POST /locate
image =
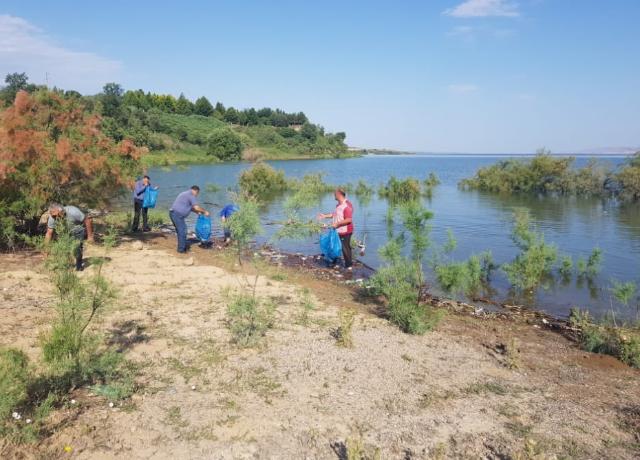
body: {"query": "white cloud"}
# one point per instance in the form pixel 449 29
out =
pixel 462 88
pixel 26 48
pixel 484 8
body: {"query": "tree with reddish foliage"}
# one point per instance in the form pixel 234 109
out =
pixel 52 149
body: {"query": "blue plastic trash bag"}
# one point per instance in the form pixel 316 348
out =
pixel 330 245
pixel 203 228
pixel 150 197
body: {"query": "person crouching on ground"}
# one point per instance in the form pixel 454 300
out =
pixel 79 227
pixel 138 199
pixel 343 223
pixel 185 203
pixel 225 213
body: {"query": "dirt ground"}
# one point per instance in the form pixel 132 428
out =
pixel 474 388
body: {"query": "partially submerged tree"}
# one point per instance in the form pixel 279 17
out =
pixel 401 278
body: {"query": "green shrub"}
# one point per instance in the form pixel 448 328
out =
pixel 623 291
pixel 344 332
pixel 541 174
pixel 244 224
pixel 14 380
pixel 622 343
pixel 629 179
pixel 536 258
pixel 224 144
pixel 566 267
pixel 249 318
pixel 69 347
pixel 401 279
pixel 262 181
pixel 363 192
pixel 400 190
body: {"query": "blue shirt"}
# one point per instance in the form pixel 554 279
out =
pixel 228 210
pixel 138 190
pixel 183 204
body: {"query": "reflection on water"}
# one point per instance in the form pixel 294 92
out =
pixel 479 221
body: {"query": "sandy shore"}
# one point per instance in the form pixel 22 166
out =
pixel 452 393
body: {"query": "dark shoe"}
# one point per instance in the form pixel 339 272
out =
pixel 135 230
pixel 146 229
pixel 80 268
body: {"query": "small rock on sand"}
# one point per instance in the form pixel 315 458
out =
pixel 137 245
pixel 189 261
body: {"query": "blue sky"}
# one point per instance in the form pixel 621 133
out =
pixel 440 76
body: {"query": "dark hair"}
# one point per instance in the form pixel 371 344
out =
pixel 146 177
pixel 195 187
pixel 341 192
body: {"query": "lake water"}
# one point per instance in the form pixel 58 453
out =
pixel 480 221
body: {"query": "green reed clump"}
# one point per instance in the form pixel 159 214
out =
pixel 14 380
pixel 70 348
pixel 624 292
pixel 536 258
pixel 607 338
pixel 401 279
pixel 430 183
pixel 262 181
pixel 399 191
pixel 541 174
pixel 249 318
pixel 628 179
pixel 363 192
pixel 566 267
pixel 244 224
pixel 465 277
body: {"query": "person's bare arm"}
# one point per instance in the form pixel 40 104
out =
pixel 48 236
pixel 200 210
pixel 88 225
pixel 325 216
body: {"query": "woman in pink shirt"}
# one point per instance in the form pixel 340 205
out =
pixel 343 223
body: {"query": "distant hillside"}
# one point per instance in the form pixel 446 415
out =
pixel 178 130
pixel 609 151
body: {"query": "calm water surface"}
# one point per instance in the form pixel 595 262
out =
pixel 480 221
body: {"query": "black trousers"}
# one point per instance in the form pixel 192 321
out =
pixel 78 255
pixel 346 250
pixel 137 208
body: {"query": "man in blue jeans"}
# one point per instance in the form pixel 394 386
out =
pixel 181 208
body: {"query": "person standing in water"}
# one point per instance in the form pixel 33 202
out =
pixel 342 221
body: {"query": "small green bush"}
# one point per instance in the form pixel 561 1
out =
pixel 401 279
pixel 536 258
pixel 400 190
pixel 14 380
pixel 566 267
pixel 607 338
pixel 542 174
pixel 623 291
pixel 244 224
pixel 224 144
pixel 344 332
pixel 249 318
pixel 262 181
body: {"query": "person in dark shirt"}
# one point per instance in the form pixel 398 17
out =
pixel 185 203
pixel 138 199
